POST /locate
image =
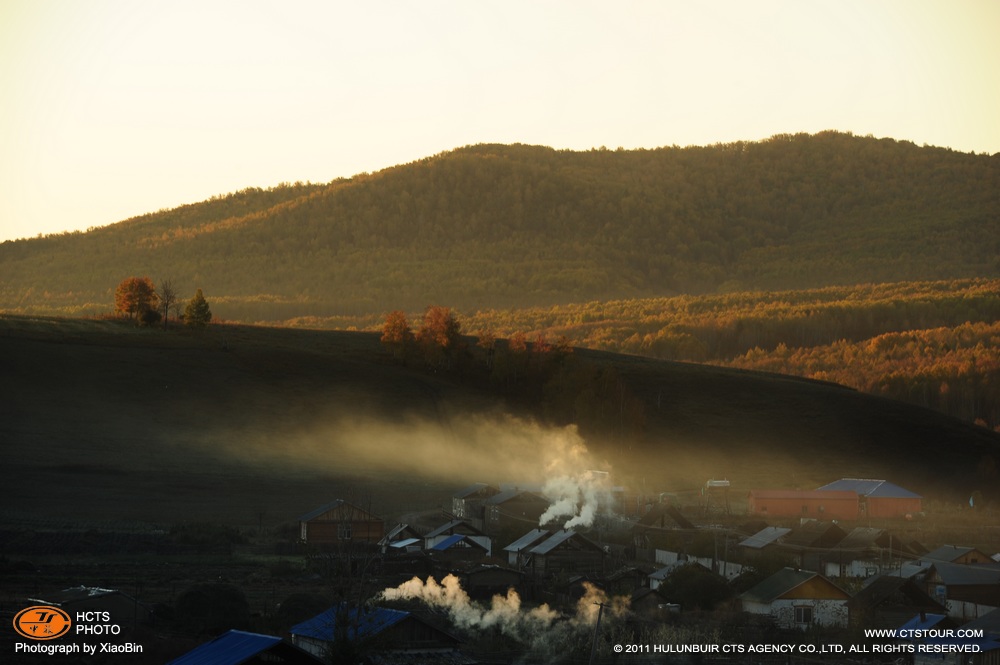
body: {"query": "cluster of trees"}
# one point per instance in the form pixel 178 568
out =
pixel 438 340
pixel 139 300
pixel 516 226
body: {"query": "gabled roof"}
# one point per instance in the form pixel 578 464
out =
pixel 949 553
pixel 529 539
pixel 871 488
pixel 765 537
pixel 783 582
pixel 884 587
pixel 671 568
pixel 813 533
pixel 560 538
pixel 235 647
pixel 956 574
pixel 507 495
pixel 334 505
pixel 861 538
pixel 452 526
pixel 473 489
pixel 459 540
pixel 803 494
pixel 361 625
pixel 401 531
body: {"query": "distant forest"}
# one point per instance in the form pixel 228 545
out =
pixel 501 226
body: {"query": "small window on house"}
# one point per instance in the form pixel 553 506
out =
pixel 344 531
pixel 803 615
pixel 822 509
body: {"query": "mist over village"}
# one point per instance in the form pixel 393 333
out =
pixel 460 334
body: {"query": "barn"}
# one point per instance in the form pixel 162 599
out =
pixel 879 498
pixel 818 504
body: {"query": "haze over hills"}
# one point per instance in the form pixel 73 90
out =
pixel 492 226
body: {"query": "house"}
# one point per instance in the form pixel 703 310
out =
pixel 237 647
pixel 512 508
pixel 518 552
pixel 967 591
pixel 467 503
pixel 797 599
pixel 864 552
pixel 625 580
pixel 459 547
pixel 122 608
pixel 458 527
pixel 878 498
pixel 818 504
pixel 650 604
pixel 957 554
pixel 485 581
pixel 887 601
pixel 814 534
pixel 338 523
pixel 388 635
pixel 567 551
pixel 658 577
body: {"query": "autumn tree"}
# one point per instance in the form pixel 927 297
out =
pixel 396 334
pixel 439 335
pixel 135 296
pixel 197 313
pixel 487 341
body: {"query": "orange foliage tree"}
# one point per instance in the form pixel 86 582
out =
pixel 135 296
pixel 396 333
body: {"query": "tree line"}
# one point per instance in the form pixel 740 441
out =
pixel 137 299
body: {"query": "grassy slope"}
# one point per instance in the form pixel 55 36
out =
pixel 104 422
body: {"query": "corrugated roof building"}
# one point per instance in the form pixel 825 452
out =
pixel 879 498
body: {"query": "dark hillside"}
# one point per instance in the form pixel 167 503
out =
pixel 511 226
pixel 106 422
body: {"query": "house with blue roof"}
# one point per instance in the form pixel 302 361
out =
pixel 381 634
pixel 238 647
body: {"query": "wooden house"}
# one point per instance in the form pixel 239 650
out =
pixel 957 554
pixel 485 581
pixel 338 523
pixel 888 601
pixel 401 538
pixel 798 599
pixel 467 503
pixel 458 547
pixel 512 509
pixel 519 551
pixel 879 498
pixel 458 527
pixel 567 551
pixel 967 591
pixel 816 504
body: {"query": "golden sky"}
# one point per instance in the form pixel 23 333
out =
pixel 115 108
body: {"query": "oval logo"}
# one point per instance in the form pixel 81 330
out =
pixel 42 622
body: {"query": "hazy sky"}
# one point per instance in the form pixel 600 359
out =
pixel 114 108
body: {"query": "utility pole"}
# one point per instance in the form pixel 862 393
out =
pixel 597 628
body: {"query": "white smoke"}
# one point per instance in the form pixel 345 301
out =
pixel 541 629
pixel 578 497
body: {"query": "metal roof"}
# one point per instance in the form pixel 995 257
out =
pixel 360 625
pixel 451 526
pixel 527 540
pixel 451 541
pixel 821 493
pixel 881 489
pixel 764 537
pixel 472 489
pixel 781 583
pixel 559 538
pixel 230 648
pixel 507 495
pixel 947 553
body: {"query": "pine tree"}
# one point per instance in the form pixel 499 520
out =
pixel 197 313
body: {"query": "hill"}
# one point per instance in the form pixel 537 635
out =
pixel 103 421
pixel 493 226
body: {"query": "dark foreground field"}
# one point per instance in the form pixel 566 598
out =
pixel 101 422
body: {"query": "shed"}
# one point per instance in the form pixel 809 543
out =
pixel 339 522
pixel 879 498
pixel 798 599
pixel 238 647
pixel 818 504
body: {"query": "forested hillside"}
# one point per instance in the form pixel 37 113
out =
pixel 494 226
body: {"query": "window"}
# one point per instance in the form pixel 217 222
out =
pixel 803 615
pixel 344 531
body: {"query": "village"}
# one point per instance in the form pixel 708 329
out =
pixel 483 580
